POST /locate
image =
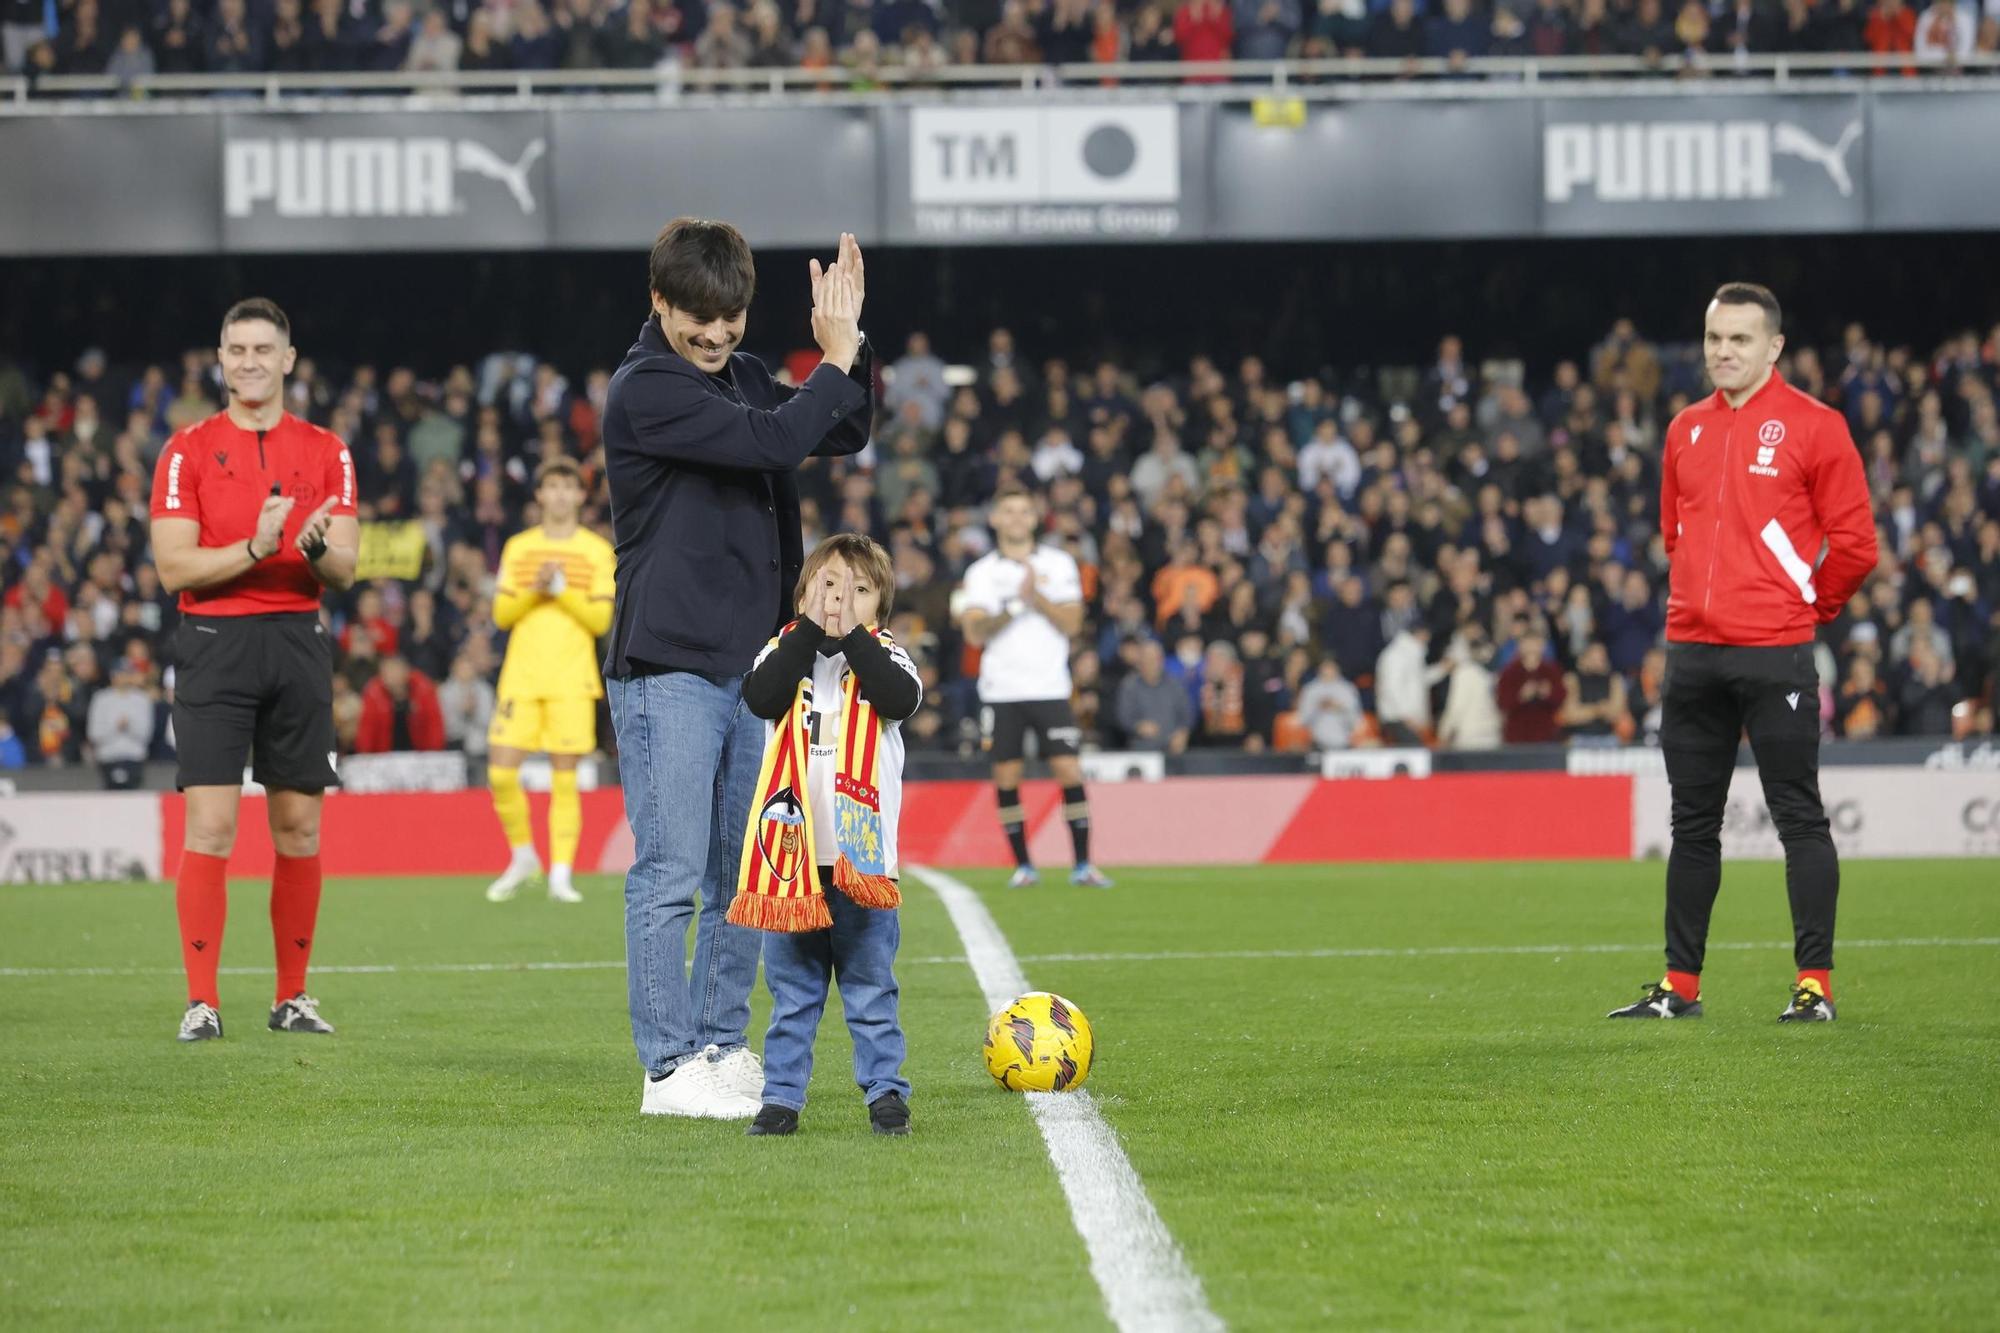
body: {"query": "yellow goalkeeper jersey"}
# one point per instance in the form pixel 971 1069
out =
pixel 552 648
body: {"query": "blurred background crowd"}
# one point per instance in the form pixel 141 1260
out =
pixel 855 41
pixel 1450 554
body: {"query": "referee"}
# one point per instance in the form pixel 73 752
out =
pixel 253 513
pixel 1765 511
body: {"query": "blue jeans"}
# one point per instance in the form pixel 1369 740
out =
pixel 860 953
pixel 688 755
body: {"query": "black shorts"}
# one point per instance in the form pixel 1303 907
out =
pixel 257 686
pixel 1003 727
pixel 1715 693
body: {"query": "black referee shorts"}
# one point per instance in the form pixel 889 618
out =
pixel 254 688
pixel 1004 728
pixel 1715 693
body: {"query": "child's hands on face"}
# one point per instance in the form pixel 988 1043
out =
pixel 836 606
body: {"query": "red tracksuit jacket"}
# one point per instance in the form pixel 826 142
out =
pixel 1767 519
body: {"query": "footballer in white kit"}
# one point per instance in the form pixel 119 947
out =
pixel 1022 603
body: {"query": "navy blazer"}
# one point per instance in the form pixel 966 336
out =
pixel 705 504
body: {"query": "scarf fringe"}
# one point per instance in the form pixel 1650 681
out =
pixel 877 891
pixel 762 912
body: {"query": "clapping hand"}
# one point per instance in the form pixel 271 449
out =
pixel 837 297
pixel 311 540
pixel 271 525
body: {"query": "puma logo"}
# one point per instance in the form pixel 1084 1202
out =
pixel 480 160
pixel 1789 139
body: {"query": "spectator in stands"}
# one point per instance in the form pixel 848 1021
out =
pixel 534 44
pixel 1470 720
pixel 1395 32
pixel 1594 709
pixel 1945 33
pixel 1891 27
pixel 120 727
pixel 399 712
pixel 1862 709
pixel 1266 29
pixel 1153 37
pixel 465 703
pixel 1928 694
pixel 131 59
pixel 1330 707
pixel 22 25
pixel 1403 680
pixel 1457 33
pixel 435 47
pixel 1919 630
pixel 1531 692
pixel 1011 41
pixel 722 44
pixel 1222 711
pixel 1204 30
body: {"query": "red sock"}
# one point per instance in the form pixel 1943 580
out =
pixel 201 897
pixel 1823 975
pixel 1687 985
pixel 294 911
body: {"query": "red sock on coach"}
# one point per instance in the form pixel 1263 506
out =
pixel 201 899
pixel 1823 975
pixel 1687 985
pixel 295 883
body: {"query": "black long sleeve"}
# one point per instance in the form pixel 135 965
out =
pixel 893 691
pixel 774 682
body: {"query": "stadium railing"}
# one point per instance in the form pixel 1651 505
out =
pixel 1225 80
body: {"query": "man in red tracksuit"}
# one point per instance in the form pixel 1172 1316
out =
pixel 1766 515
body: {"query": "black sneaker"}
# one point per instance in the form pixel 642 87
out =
pixel 1808 1005
pixel 774 1119
pixel 889 1114
pixel 1660 1002
pixel 200 1022
pixel 299 1014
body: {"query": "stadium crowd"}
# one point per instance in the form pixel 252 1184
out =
pixel 854 41
pixel 1444 554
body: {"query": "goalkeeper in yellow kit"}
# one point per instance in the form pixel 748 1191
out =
pixel 555 598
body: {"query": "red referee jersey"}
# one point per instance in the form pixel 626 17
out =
pixel 219 474
pixel 1767 518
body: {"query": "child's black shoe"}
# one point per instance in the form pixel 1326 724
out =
pixel 772 1119
pixel 889 1114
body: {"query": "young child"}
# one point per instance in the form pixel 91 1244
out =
pixel 819 858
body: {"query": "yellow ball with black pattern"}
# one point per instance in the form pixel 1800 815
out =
pixel 1039 1043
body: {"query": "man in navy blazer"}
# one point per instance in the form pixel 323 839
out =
pixel 700 445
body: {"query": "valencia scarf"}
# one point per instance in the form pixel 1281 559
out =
pixel 777 884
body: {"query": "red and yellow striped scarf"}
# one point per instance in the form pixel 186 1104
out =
pixel 777 883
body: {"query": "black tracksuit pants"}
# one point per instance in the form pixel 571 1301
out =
pixel 1713 694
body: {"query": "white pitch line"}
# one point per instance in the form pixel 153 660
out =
pixel 959 959
pixel 1146 1281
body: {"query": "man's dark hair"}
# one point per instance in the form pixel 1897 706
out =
pixel 1750 293
pixel 703 268
pixel 258 307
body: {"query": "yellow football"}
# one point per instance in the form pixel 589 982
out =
pixel 1039 1043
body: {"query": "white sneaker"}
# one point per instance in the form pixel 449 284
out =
pixel 524 866
pixel 560 889
pixel 696 1089
pixel 743 1072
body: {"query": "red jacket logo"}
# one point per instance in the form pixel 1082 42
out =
pixel 1771 433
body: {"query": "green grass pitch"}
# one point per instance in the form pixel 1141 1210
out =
pixel 1427 1125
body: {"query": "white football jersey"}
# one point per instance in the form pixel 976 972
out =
pixel 1029 658
pixel 822 766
